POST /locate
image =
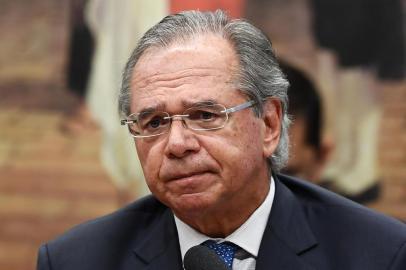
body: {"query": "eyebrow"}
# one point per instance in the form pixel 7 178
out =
pixel 188 104
pixel 158 107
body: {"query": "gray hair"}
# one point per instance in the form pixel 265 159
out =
pixel 259 75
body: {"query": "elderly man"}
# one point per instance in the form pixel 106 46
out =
pixel 205 101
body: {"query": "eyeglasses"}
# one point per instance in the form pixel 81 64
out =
pixel 200 117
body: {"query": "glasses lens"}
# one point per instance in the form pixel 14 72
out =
pixel 149 124
pixel 153 123
pixel 206 117
pixel 132 124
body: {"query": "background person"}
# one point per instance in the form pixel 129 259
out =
pixel 310 147
pixel 81 47
pixel 310 150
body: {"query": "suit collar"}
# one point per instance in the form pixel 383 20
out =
pixel 158 247
pixel 288 235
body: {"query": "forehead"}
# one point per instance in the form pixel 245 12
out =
pixel 200 69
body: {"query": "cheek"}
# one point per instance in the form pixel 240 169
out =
pixel 250 147
pixel 150 158
pixel 237 150
pixel 249 138
pixel 142 152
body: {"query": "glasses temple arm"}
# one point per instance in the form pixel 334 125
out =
pixel 240 107
pixel 124 122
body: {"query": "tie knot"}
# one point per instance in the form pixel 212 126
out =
pixel 225 250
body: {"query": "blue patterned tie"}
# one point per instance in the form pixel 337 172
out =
pixel 225 251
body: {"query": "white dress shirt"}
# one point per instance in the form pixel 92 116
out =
pixel 248 236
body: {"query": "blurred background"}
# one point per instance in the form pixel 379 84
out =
pixel 65 159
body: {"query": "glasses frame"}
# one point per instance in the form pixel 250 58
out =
pixel 182 117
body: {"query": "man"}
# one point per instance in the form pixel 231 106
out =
pixel 206 102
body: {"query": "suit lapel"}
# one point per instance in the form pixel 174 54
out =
pixel 287 238
pixel 160 247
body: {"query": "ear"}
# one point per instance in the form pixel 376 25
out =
pixel 272 120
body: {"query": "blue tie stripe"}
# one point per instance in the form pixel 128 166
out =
pixel 225 251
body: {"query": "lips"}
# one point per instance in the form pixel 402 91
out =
pixel 187 168
pixel 190 183
pixel 178 176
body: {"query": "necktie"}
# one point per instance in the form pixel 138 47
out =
pixel 224 250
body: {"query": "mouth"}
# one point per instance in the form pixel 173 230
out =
pixel 187 176
pixel 190 182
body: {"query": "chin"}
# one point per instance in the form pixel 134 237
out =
pixel 192 204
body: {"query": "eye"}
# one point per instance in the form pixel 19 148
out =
pixel 155 122
pixel 150 122
pixel 202 115
pixel 206 115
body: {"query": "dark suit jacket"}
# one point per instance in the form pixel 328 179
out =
pixel 309 228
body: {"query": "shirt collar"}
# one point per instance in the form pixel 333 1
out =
pixel 248 236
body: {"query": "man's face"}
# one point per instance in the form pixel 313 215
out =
pixel 197 172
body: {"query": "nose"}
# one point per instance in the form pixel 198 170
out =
pixel 181 141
